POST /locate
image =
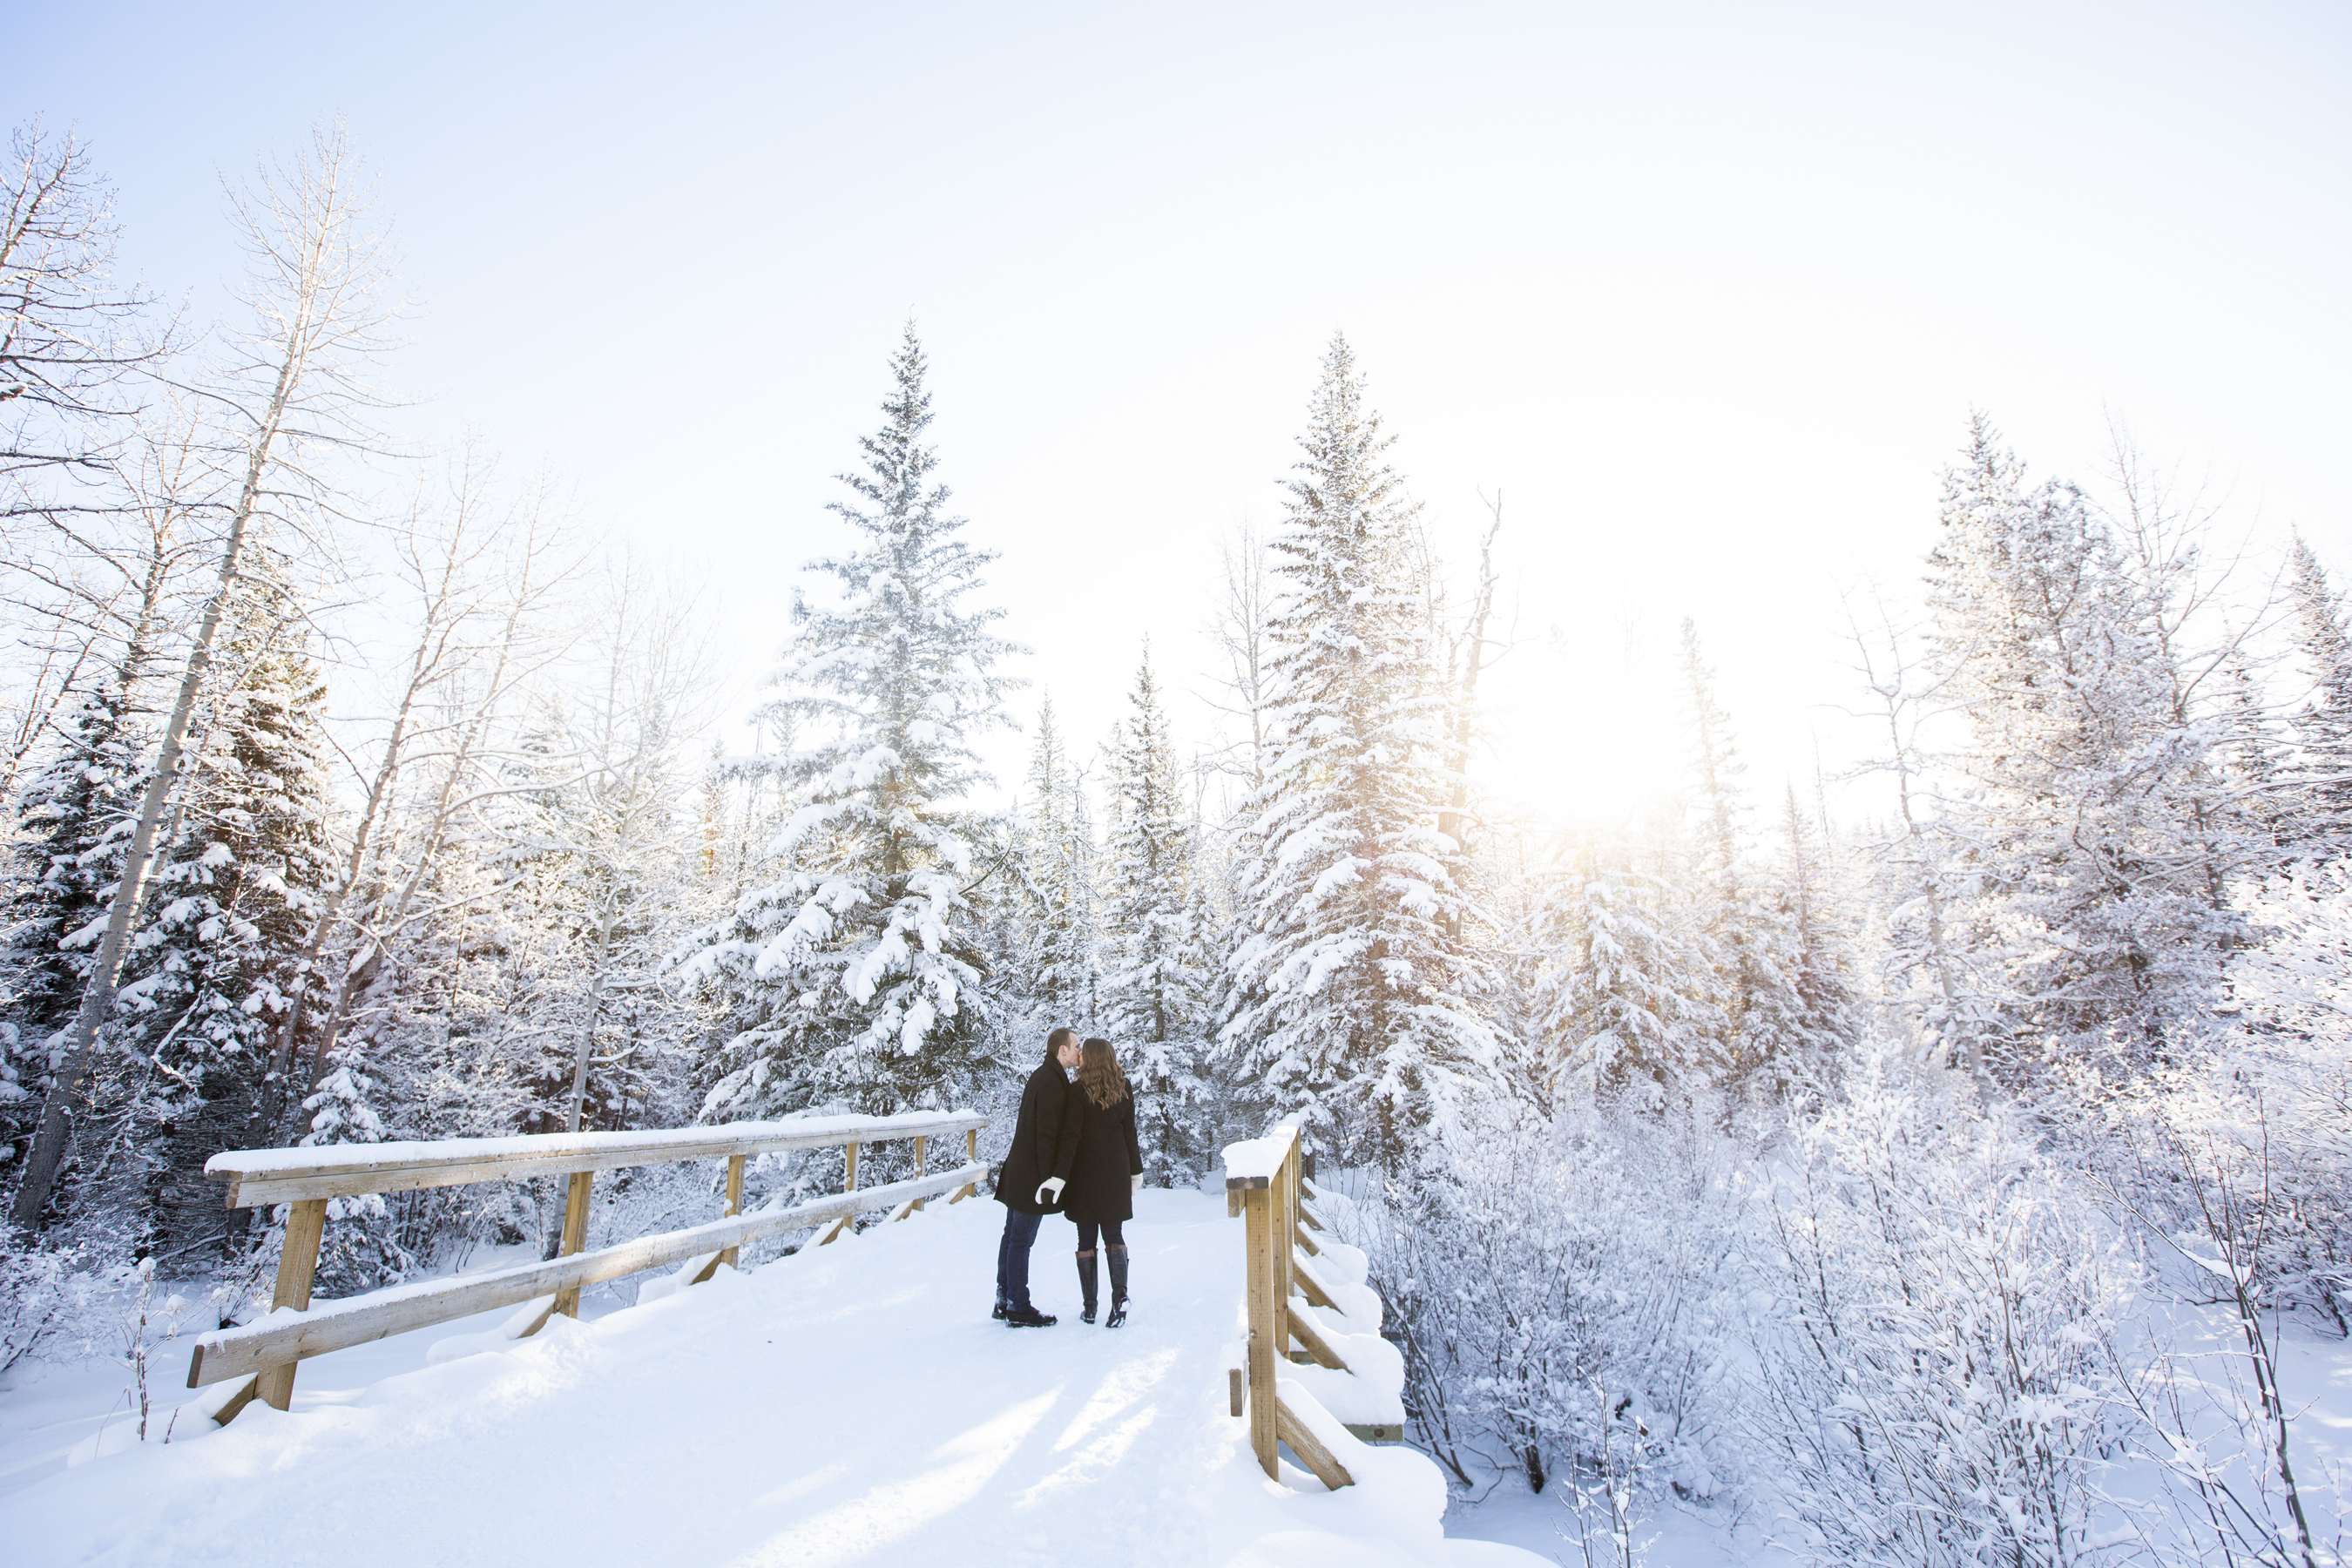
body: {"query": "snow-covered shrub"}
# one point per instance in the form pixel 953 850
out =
pixel 1546 1261
pixel 47 1296
pixel 1938 1382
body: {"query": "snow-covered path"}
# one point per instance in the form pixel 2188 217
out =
pixel 853 1405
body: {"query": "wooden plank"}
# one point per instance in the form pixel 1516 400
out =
pixel 1233 1203
pixel 734 1202
pixel 1285 1224
pixel 237 1395
pixel 1264 1327
pixel 1377 1431
pixel 1306 1217
pixel 902 1211
pixel 970 1189
pixel 298 1264
pixel 1302 1328
pixel 337 1325
pixel 1298 1234
pixel 1312 1288
pixel 851 1184
pixel 575 1235
pixel 1310 1449
pixel 919 1143
pixel 457 1161
pixel 1237 1390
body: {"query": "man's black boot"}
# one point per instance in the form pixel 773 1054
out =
pixel 1029 1318
pixel 1086 1285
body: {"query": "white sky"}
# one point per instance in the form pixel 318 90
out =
pixel 1707 292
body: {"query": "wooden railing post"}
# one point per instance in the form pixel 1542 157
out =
pixel 921 1143
pixel 734 1202
pixel 575 1236
pixel 1265 1327
pixel 850 1185
pixel 971 1157
pixel 1286 1220
pixel 298 1264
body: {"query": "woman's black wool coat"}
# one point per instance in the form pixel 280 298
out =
pixel 1047 1125
pixel 1101 1162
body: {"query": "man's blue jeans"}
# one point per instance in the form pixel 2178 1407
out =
pixel 1012 1257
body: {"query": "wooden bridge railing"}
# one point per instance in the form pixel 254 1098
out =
pixel 262 1355
pixel 1266 1186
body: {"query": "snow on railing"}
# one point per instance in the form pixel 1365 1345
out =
pixel 262 1355
pixel 1344 1378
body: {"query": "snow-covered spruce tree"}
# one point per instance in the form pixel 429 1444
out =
pixel 851 977
pixel 2323 725
pixel 73 821
pixel 1744 946
pixel 1347 998
pixel 1156 984
pixel 1051 854
pixel 232 897
pixel 1622 1001
pixel 2097 911
pixel 1814 926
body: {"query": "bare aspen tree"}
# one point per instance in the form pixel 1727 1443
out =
pixel 1900 708
pixel 290 394
pixel 468 716
pixel 93 582
pixel 1237 626
pixel 654 663
pixel 475 576
pixel 1468 658
pixel 69 335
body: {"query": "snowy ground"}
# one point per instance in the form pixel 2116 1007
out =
pixel 853 1405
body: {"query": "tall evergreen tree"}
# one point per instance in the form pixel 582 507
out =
pixel 1743 951
pixel 853 976
pixel 2323 726
pixel 74 818
pixel 231 898
pixel 2095 900
pixel 1621 998
pixel 1156 984
pixel 1055 942
pixel 1813 925
pixel 1348 995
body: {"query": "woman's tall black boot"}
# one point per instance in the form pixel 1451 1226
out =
pixel 1117 1290
pixel 1086 1281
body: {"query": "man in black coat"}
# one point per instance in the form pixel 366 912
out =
pixel 1025 1183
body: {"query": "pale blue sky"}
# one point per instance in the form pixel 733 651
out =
pixel 1706 291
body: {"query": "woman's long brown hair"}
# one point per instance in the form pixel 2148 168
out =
pixel 1098 1073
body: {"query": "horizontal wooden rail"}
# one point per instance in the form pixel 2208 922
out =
pixel 282 1339
pixel 353 1170
pixel 307 1179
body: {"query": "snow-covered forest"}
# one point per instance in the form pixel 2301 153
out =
pixel 1923 1165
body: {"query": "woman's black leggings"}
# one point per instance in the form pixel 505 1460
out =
pixel 1110 1235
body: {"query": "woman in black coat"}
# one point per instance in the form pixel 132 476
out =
pixel 1104 1166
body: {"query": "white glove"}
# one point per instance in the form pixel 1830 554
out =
pixel 1050 1191
pixel 1138 1180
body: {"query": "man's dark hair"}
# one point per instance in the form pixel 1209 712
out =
pixel 1056 1041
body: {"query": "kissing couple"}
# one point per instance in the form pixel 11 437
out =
pixel 1074 1153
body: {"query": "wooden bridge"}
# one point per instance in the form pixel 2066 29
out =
pixel 849 1403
